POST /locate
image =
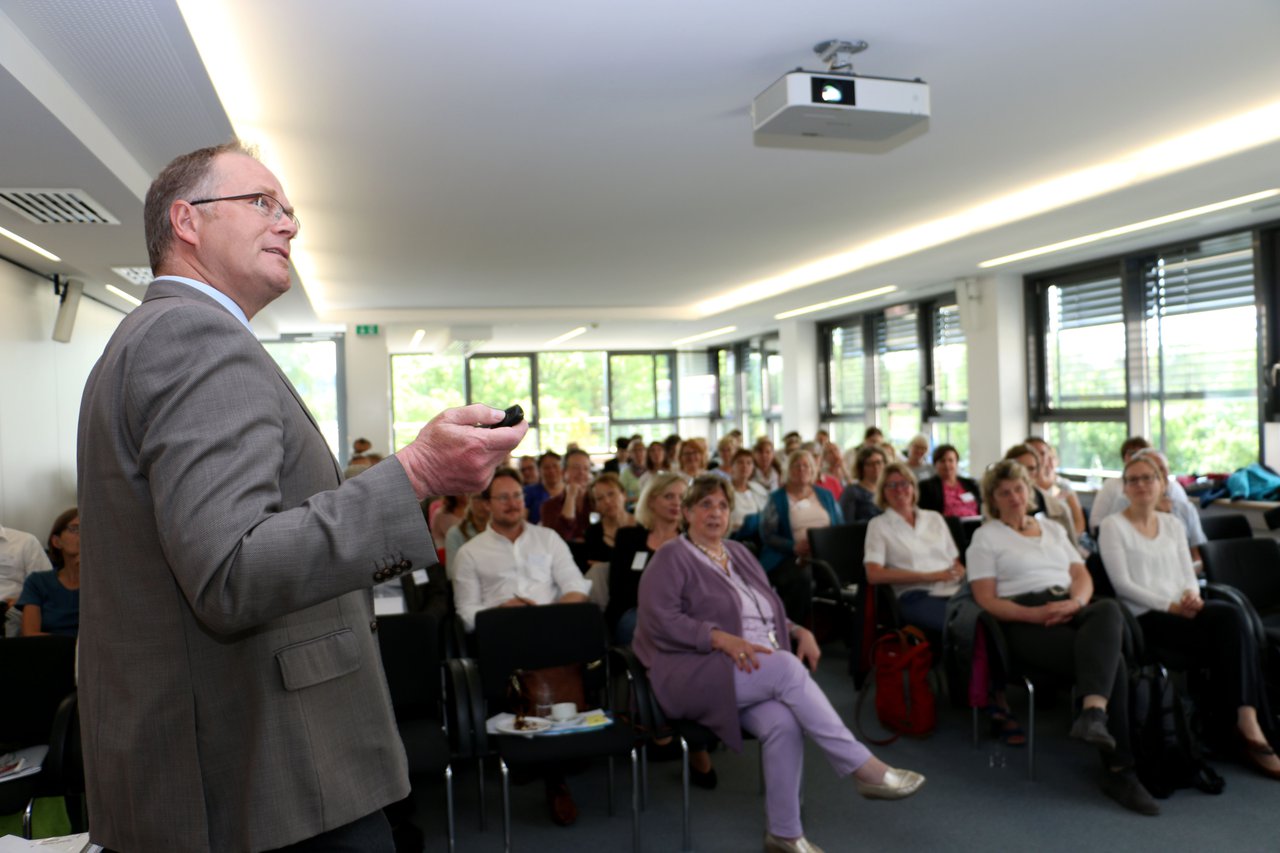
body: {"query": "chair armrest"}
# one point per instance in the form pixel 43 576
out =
pixel 827 582
pixel 475 706
pixel 648 716
pixel 455 699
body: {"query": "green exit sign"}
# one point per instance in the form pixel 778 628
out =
pixel 367 330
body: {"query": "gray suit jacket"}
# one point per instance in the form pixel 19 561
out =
pixel 232 696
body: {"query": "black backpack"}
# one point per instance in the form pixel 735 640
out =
pixel 1165 745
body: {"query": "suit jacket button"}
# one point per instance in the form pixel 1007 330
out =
pixel 405 564
pixel 373 626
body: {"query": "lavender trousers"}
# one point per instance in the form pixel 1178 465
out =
pixel 780 703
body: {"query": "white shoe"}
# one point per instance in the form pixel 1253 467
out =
pixel 897 784
pixel 774 844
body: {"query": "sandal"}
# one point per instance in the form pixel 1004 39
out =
pixel 1005 726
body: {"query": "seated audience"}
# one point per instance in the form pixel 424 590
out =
pixel 1055 485
pixel 726 448
pixel 749 497
pixel 917 450
pixel 359 448
pixel 768 469
pixel 790 443
pixel 528 470
pixel 693 460
pixel 1172 500
pixel 448 515
pixel 512 563
pixel 834 475
pixel 1110 498
pixel 567 512
pixel 912 549
pixel 718 645
pixel 609 502
pixel 614 465
pixel 1146 558
pixel 1028 575
pixel 549 485
pixel 20 555
pixel 784 531
pixel 658 522
pixel 474 520
pixel 1053 509
pixel 632 474
pixel 858 500
pixel 50 601
pixel 947 492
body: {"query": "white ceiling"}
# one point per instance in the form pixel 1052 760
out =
pixel 536 167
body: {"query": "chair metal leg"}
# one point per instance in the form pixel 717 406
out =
pixel 635 801
pixel 975 726
pixel 610 786
pixel 506 805
pixel 1031 728
pixel 26 818
pixel 644 777
pixel 686 844
pixel 448 802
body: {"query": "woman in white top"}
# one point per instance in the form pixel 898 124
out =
pixel 749 497
pixel 1111 498
pixel 1146 557
pixel 1025 573
pixel 912 549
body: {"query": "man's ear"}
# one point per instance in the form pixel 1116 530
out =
pixel 185 223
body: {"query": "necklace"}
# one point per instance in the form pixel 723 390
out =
pixel 721 559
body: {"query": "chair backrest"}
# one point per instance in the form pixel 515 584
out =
pixel 842 547
pixel 1227 525
pixel 38 674
pixel 511 638
pixel 1101 581
pixel 1250 565
pixel 64 764
pixel 412 650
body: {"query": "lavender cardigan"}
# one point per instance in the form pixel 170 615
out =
pixel 680 602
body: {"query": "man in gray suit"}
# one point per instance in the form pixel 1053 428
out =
pixel 232 696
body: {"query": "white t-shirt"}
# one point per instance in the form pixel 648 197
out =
pixel 747 503
pixel 1111 499
pixel 492 569
pixel 20 555
pixel 927 547
pixel 1021 564
pixel 1148 574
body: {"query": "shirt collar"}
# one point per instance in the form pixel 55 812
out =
pixel 215 294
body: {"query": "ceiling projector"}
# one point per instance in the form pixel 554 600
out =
pixel 838 104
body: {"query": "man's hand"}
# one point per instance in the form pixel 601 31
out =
pixel 451 457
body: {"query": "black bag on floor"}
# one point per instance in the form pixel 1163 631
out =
pixel 1165 745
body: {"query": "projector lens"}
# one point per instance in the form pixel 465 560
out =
pixel 833 90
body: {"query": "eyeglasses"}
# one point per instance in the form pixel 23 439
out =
pixel 507 497
pixel 897 486
pixel 71 528
pixel 267 206
pixel 1140 480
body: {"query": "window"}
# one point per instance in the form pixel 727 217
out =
pixel 897 374
pixel 506 380
pixel 571 400
pixel 421 387
pixel 1162 343
pixel 314 366
pixel 750 395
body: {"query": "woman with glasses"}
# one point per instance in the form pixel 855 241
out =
pixel 50 601
pixel 1052 508
pixel 1027 574
pixel 721 651
pixel 858 500
pixel 1146 558
pixel 912 549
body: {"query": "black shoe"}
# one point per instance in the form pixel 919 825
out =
pixel 669 751
pixel 1123 787
pixel 707 781
pixel 560 803
pixel 1091 727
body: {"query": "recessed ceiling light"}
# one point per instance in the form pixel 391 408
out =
pixel 567 336
pixel 127 297
pixel 843 300
pixel 723 330
pixel 1191 213
pixel 23 241
pixel 418 335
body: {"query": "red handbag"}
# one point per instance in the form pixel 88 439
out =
pixel 901 662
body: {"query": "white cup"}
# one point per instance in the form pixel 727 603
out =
pixel 562 711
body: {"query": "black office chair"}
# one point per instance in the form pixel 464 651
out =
pixel 1227 525
pixel 514 638
pixel 1252 568
pixel 428 695
pixel 39 675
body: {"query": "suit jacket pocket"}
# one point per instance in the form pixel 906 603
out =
pixel 312 662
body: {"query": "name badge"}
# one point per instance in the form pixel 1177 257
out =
pixel 420 577
pixel 966 497
pixel 640 560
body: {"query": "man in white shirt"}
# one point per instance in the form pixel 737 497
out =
pixel 513 563
pixel 20 555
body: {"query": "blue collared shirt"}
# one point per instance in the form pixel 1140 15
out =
pixel 221 298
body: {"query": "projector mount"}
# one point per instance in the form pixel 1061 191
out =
pixel 838 55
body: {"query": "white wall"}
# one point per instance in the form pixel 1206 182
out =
pixel 40 386
pixel 798 341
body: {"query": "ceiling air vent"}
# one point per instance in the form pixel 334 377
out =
pixel 57 207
